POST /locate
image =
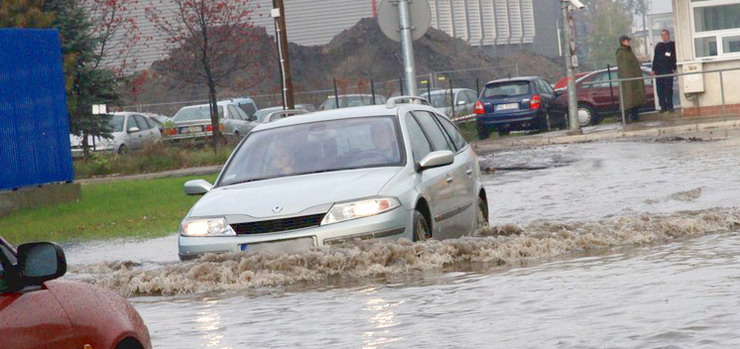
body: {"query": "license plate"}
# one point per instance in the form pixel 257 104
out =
pixel 507 106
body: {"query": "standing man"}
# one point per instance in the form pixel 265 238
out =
pixel 664 62
pixel 633 91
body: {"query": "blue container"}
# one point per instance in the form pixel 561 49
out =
pixel 34 125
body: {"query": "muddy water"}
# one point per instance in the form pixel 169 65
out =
pixel 640 250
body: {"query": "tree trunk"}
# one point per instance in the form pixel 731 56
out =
pixel 214 112
pixel 85 146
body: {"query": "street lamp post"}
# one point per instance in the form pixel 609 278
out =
pixel 570 50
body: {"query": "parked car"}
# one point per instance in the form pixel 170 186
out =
pixel 351 100
pixel 194 122
pixel 563 82
pixel 386 172
pixel 129 131
pixel 262 113
pixel 602 98
pixel 37 311
pixel 246 104
pixel 521 103
pixel 464 100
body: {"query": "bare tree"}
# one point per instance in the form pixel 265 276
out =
pixel 117 33
pixel 209 41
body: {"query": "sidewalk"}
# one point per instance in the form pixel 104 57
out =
pixel 705 128
pixel 194 171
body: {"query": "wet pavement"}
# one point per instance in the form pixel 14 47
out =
pixel 617 245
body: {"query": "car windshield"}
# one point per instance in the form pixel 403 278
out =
pixel 351 101
pixel 200 112
pixel 439 99
pixel 316 147
pixel 262 113
pixel 506 89
pixel 116 123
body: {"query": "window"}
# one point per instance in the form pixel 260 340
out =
pixel 233 114
pixel 140 122
pixel 716 28
pixel 432 131
pixel 506 89
pixel 419 144
pixel 248 108
pixel 452 131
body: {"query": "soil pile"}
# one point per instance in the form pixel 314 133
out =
pixel 353 57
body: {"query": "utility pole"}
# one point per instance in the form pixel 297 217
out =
pixel 281 35
pixel 570 50
pixel 407 48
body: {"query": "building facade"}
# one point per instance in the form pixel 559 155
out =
pixel 707 36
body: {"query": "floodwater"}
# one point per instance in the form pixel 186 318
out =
pixel 599 245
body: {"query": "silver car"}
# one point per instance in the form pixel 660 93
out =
pixel 385 172
pixel 128 130
pixel 194 122
pixel 464 100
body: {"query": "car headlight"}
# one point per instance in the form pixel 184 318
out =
pixel 345 211
pixel 206 227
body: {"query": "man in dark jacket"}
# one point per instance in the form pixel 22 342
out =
pixel 664 62
pixel 633 91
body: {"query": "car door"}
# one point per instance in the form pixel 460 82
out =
pixel 132 137
pixel 32 317
pixel 555 107
pixel 151 133
pixel 604 96
pixel 450 199
pixel 466 172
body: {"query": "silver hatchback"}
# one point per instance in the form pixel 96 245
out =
pixel 384 171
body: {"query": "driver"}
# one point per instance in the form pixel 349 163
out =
pixel 384 140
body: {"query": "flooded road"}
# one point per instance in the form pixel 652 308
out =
pixel 593 245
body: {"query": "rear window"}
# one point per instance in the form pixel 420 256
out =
pixel 506 89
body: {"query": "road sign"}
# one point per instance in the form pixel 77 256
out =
pixel 388 19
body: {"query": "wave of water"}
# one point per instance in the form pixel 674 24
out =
pixel 497 245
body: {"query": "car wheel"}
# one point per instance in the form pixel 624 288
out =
pixel 481 214
pixel 586 115
pixel 483 131
pixel 421 227
pixel 122 150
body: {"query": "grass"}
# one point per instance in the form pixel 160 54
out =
pixel 141 208
pixel 155 157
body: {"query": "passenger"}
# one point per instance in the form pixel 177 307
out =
pixel 385 141
pixel 283 162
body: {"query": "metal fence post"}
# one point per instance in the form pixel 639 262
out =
pixel 372 89
pixel 621 104
pixel 400 84
pixel 452 99
pixel 336 94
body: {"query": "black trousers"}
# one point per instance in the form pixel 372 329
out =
pixel 665 92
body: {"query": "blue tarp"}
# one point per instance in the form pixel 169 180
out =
pixel 34 126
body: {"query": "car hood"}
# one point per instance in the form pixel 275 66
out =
pixel 293 194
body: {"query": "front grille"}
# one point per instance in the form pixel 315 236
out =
pixel 274 225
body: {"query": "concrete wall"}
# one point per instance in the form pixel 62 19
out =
pixel 34 197
pixel 705 103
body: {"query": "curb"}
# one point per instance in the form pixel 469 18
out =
pixel 194 171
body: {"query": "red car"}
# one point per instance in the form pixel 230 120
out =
pixel 36 312
pixel 602 98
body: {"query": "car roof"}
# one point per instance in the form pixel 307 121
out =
pixel 438 91
pixel 516 79
pixel 344 113
pixel 355 95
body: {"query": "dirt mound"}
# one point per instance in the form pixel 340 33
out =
pixel 353 57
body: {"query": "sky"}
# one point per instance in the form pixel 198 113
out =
pixel 661 6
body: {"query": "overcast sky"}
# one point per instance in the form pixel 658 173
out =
pixel 661 6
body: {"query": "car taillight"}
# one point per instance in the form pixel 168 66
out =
pixel 209 128
pixel 170 131
pixel 478 108
pixel 535 102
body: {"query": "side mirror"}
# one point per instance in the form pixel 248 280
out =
pixel 436 159
pixel 41 261
pixel 197 187
pixel 133 129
